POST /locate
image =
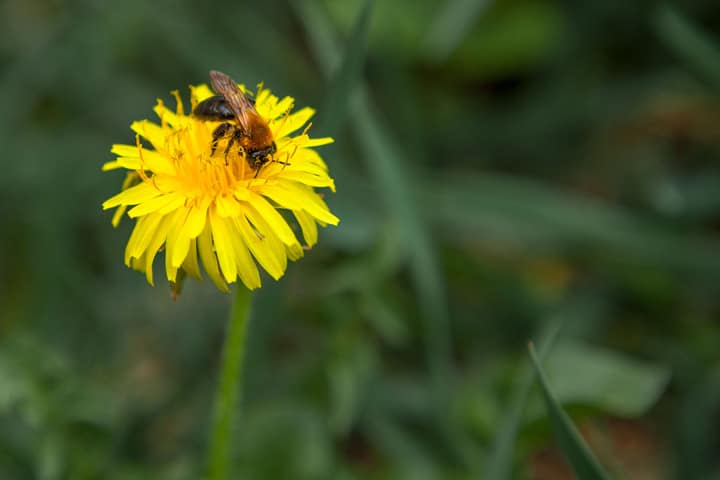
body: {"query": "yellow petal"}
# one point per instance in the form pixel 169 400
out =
pixel 130 163
pixel 316 142
pixel 134 235
pixel 259 207
pixel 152 132
pixel 265 247
pixel 309 161
pixel 170 117
pixel 292 122
pixel 296 197
pixel 134 158
pixel 294 252
pixel 169 183
pixel 247 270
pixel 190 265
pixel 227 206
pixel 146 227
pixel 194 224
pixel 282 107
pixel 200 92
pixel 164 203
pixel 171 243
pixel 132 178
pixel 309 179
pixel 132 196
pixel 223 246
pixel 308 227
pixel 114 165
pixel 118 215
pixel 122 150
pixel 209 260
pixel 265 101
pixel 157 241
pixel 137 263
pixel 156 162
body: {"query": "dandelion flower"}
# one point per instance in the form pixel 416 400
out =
pixel 209 207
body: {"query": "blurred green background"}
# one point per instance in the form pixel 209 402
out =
pixel 504 169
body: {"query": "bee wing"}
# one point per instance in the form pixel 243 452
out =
pixel 238 102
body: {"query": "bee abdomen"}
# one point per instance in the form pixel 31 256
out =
pixel 214 108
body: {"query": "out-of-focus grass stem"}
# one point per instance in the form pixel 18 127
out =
pixel 394 179
pixel 386 165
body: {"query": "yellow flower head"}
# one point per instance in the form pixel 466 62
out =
pixel 207 206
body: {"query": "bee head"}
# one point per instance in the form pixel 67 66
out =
pixel 258 158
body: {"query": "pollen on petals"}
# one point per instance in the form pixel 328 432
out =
pixel 204 207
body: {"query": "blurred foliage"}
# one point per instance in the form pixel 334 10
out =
pixel 500 165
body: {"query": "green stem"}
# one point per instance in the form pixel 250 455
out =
pixel 227 395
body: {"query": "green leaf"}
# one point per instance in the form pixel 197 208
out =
pixel 604 379
pixel 571 443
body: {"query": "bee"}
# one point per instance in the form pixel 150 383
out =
pixel 242 124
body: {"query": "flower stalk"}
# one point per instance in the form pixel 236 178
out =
pixel 228 395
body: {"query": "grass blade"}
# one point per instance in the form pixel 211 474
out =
pixel 385 162
pixel 500 463
pixel 576 451
pixel 394 180
pixel 689 43
pixel 451 25
pixel 348 74
pixel 695 436
pixel 536 216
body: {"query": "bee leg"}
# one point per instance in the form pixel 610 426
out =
pixel 285 162
pixel 230 143
pixel 220 132
pixel 236 137
pixel 258 163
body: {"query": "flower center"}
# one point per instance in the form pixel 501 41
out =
pixel 207 167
